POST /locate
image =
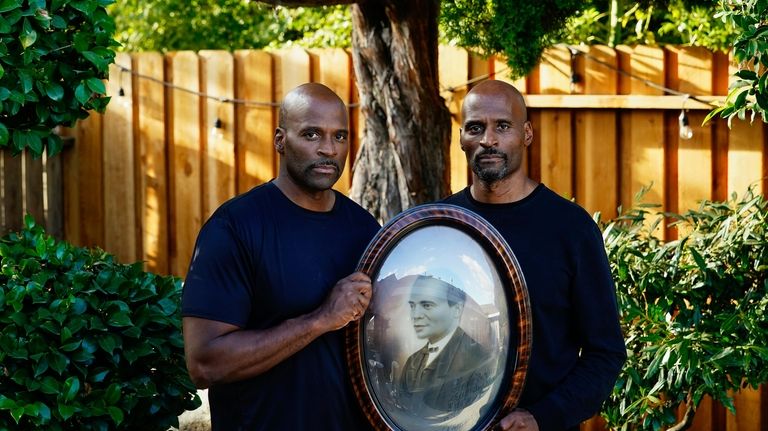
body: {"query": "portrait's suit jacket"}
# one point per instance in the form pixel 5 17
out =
pixel 456 378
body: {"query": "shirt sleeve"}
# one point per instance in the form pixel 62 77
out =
pixel 603 351
pixel 217 286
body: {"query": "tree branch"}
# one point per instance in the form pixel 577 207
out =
pixel 690 411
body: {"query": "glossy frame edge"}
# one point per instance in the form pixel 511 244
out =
pixel 515 290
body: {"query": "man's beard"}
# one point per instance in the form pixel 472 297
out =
pixel 490 174
pixel 306 178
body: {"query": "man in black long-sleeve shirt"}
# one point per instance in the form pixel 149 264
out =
pixel 578 349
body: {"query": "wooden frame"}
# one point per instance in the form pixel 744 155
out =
pixel 476 375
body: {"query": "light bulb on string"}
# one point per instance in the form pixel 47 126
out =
pixel 216 134
pixel 686 131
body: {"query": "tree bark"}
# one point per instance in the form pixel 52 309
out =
pixel 403 159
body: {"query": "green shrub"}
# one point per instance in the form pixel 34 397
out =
pixel 694 310
pixel 85 342
pixel 53 57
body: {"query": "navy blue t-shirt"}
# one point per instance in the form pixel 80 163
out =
pixel 577 348
pixel 259 260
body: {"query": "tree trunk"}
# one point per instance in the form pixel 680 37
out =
pixel 403 159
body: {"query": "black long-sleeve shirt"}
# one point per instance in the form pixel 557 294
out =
pixel 577 348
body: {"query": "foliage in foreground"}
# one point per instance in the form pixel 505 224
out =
pixel 85 342
pixel 750 91
pixel 53 57
pixel 694 310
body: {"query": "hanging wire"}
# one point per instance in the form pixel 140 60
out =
pixel 574 78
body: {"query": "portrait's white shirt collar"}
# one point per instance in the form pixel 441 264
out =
pixel 440 345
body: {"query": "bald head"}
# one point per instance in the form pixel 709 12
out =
pixel 305 96
pixel 494 88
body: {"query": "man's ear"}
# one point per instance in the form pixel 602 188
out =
pixel 461 142
pixel 527 133
pixel 280 140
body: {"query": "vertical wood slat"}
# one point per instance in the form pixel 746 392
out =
pixel 184 158
pixel 750 416
pixel 256 158
pixel 13 199
pixel 332 67
pixel 453 71
pixel 153 175
pixel 555 132
pixel 596 144
pixel 89 181
pixel 120 230
pixel 694 169
pixel 292 68
pixel 746 144
pixel 54 212
pixel 218 167
pixel 33 188
pixel 642 153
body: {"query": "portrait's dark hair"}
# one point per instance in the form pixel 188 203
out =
pixel 453 294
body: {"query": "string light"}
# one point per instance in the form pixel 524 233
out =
pixel 216 135
pixel 686 132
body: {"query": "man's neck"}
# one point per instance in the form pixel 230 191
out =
pixel 313 200
pixel 510 189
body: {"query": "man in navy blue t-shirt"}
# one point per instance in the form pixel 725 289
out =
pixel 271 284
pixel 577 348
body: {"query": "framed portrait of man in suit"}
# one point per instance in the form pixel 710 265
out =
pixel 445 341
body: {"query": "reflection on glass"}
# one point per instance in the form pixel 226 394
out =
pixel 435 341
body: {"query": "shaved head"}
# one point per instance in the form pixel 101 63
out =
pixel 493 87
pixel 305 95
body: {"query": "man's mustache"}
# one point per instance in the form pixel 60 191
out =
pixel 490 151
pixel 325 162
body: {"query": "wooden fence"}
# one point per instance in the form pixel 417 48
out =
pixel 142 178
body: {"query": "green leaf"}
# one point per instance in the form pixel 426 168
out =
pixel 6 403
pixel 66 411
pixel 96 59
pixel 54 91
pixel 70 389
pixel 9 5
pixel 112 394
pixel 82 94
pixel 17 413
pixel 119 319
pixel 2 71
pixel 44 411
pixel 4 136
pixel 49 385
pixel 28 35
pixel 97 85
pixel 116 414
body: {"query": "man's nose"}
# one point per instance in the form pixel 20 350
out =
pixel 489 138
pixel 327 147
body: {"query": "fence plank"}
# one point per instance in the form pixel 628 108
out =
pixel 153 175
pixel 749 414
pixel 13 199
pixel 54 189
pixel 33 188
pixel 596 146
pixel 643 152
pixel 218 167
pixel 121 228
pixel 332 67
pixel 501 71
pixel 89 181
pixel 255 123
pixel 184 158
pixel 746 143
pixel 453 71
pixel 555 131
pixel 292 68
pixel 694 168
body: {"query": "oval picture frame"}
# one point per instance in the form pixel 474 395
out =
pixel 445 342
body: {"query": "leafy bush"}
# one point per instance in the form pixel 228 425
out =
pixel 87 343
pixel 694 310
pixel 53 57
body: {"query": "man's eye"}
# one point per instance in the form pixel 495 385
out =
pixel 474 129
pixel 341 137
pixel 311 135
pixel 504 126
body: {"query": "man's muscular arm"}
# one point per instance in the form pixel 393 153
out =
pixel 218 352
